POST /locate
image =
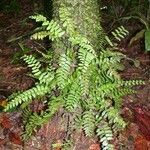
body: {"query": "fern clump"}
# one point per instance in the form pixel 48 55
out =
pixel 86 81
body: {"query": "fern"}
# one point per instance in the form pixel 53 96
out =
pixel 52 29
pixel 73 97
pixel 89 122
pixel 82 81
pixel 33 120
pixel 105 134
pixel 119 34
pixel 33 63
pixel 37 91
pixel 64 70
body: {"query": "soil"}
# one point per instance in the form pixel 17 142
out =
pixel 13 77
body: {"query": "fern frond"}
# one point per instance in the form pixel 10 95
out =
pixel 115 118
pixel 52 29
pixel 118 94
pixel 89 122
pixel 119 34
pixel 112 114
pixel 132 83
pixel 85 58
pixel 72 99
pixel 31 125
pixel 65 17
pixel 39 90
pixel 84 84
pixel 33 63
pixel 38 18
pixel 47 76
pixel 63 71
pixel 105 135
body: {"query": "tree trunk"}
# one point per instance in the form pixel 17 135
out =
pixel 86 17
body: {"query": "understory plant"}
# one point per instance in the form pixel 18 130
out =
pixel 144 32
pixel 121 12
pixel 81 81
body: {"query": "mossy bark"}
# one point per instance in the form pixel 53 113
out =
pixel 86 17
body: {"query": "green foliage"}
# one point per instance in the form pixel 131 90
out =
pixel 143 18
pixel 147 40
pixel 117 11
pixel 51 29
pixel 89 122
pixel 121 11
pixel 105 134
pixel 82 81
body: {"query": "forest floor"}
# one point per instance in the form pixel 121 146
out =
pixel 13 77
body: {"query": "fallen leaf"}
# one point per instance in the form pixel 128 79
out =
pixel 141 143
pixel 94 147
pixel 138 36
pixel 3 102
pixel 2 141
pixel 15 138
pixel 142 119
pixel 5 122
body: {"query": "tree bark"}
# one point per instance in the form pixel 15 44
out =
pixel 86 17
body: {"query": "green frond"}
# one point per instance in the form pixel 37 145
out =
pixel 105 135
pixel 39 18
pixel 26 113
pixel 88 122
pixel 119 34
pixel 37 91
pixel 72 99
pixel 52 29
pixel 65 17
pixel 114 118
pixel 46 77
pixel 84 84
pixel 107 88
pixel 118 94
pixel 31 125
pixel 132 83
pixel 33 63
pixel 63 71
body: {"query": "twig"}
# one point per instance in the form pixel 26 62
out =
pixel 24 36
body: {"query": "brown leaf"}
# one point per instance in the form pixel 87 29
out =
pixel 94 147
pixel 142 119
pixel 3 102
pixel 5 122
pixel 141 143
pixel 2 141
pixel 15 138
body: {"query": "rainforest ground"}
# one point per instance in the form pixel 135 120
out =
pixel 14 76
